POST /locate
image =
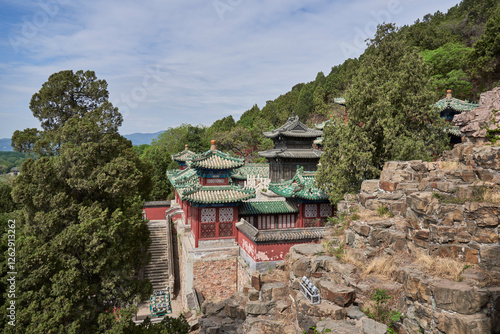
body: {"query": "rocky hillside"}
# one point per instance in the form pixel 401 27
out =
pixel 416 251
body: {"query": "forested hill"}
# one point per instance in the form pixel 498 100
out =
pixel 461 47
pixel 402 72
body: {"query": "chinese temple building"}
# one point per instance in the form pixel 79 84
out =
pixel 313 204
pixel 208 199
pixel 226 232
pixel 182 157
pixel 448 107
pixel 293 146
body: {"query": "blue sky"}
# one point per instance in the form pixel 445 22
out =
pixel 173 62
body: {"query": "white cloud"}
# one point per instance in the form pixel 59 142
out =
pixel 209 63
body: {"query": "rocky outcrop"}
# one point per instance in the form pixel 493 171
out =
pixel 449 208
pixel 475 123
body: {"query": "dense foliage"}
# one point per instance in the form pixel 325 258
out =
pixel 8 160
pixel 390 117
pixel 81 238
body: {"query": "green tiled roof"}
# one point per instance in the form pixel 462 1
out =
pixel 280 235
pixel 267 207
pixel 214 159
pixel 318 141
pixel 455 104
pixel 293 128
pixel 183 156
pixel 261 170
pixel 215 195
pixel 301 186
pixel 454 130
pixel 339 100
pixel 182 178
pixel 321 126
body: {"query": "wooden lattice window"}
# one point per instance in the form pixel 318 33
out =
pixel 325 210
pixel 208 215
pixel 207 230
pixel 226 215
pixel 225 230
pixel 311 210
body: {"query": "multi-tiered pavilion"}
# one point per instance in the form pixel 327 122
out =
pixel 293 147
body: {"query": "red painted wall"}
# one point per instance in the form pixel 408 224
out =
pixel 264 253
pixel 156 213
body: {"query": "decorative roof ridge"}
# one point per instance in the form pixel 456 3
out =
pixel 209 153
pixel 184 155
pixel 292 122
pixel 289 234
pixel 453 102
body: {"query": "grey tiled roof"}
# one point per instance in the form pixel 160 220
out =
pixel 282 235
pixel 292 153
pixel 294 128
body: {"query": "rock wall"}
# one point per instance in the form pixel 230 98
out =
pixel 447 208
pixel 475 123
pixel 450 208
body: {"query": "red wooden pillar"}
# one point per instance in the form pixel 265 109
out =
pixel 197 226
pixel 235 220
pixel 301 215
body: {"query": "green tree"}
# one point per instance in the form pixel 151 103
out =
pixel 305 102
pixel 66 95
pixel 221 125
pixel 82 236
pixel 159 157
pixel 390 117
pixel 141 149
pixel 448 66
pixel 485 59
pixel 320 106
pixel 246 119
pixel 242 142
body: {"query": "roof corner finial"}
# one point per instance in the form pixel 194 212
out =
pixel 448 94
pixel 293 114
pixel 213 146
pixel 186 146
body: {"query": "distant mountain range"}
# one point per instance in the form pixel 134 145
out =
pixel 5 144
pixel 136 139
pixel 142 138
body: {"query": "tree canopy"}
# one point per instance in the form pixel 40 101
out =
pixel 82 239
pixel 390 117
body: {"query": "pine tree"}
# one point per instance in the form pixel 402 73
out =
pixel 81 235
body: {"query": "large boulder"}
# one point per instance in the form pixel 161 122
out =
pixel 475 122
pixel 338 294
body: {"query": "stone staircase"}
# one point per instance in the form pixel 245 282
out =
pixel 157 269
